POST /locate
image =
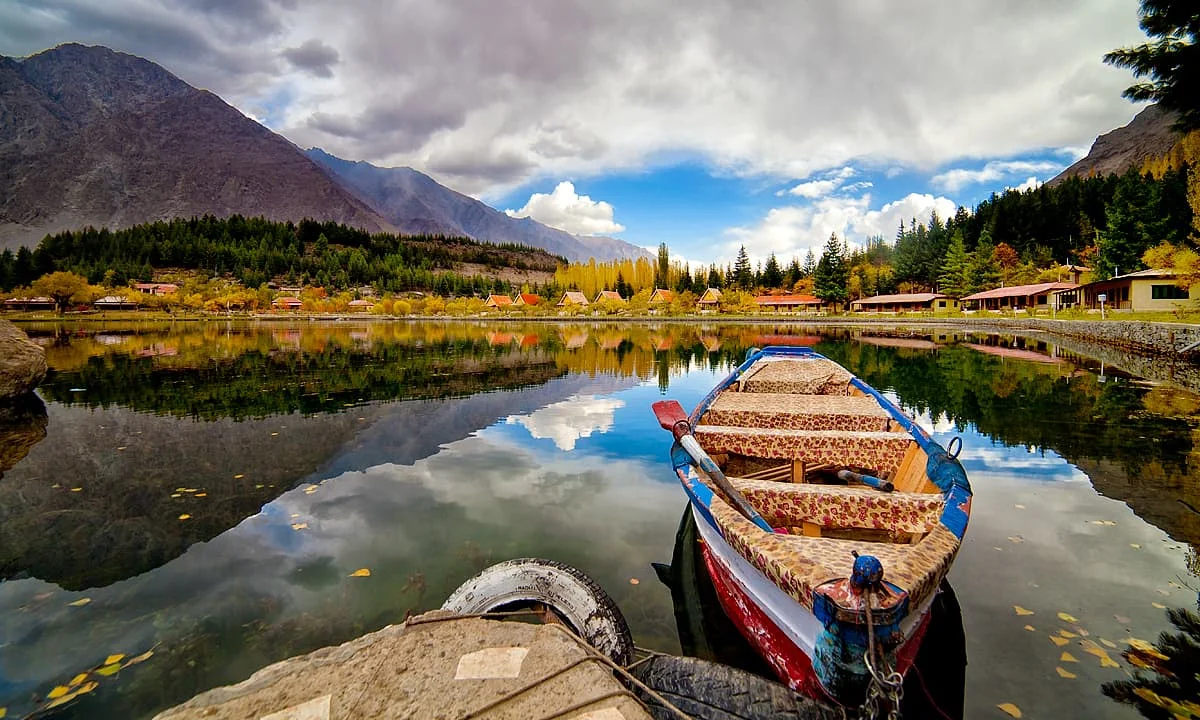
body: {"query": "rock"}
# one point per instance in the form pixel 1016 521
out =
pixel 22 364
pixel 22 425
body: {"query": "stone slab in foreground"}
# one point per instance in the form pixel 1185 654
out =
pixel 446 669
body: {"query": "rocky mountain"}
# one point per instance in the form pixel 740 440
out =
pixel 1148 135
pixel 416 203
pixel 89 136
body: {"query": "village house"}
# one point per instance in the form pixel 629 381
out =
pixel 527 299
pixel 709 299
pixel 661 296
pixel 156 288
pixel 29 303
pixel 906 302
pixel 498 301
pixel 115 302
pixel 1018 297
pixel 361 305
pixel 790 303
pixel 1141 291
pixel 573 297
pixel 609 295
pixel 287 303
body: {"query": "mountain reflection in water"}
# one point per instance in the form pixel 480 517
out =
pixel 299 452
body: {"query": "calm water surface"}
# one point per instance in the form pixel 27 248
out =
pixel 206 490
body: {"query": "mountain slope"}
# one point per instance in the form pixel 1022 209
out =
pixel 1148 135
pixel 415 202
pixel 89 136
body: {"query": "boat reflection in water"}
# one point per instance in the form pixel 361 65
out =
pixel 933 687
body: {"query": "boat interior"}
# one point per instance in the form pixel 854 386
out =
pixel 781 433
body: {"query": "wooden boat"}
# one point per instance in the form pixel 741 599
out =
pixel 828 519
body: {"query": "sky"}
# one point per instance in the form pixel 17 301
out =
pixel 707 125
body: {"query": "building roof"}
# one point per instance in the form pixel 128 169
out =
pixel 901 298
pixel 287 300
pixel 711 295
pixel 115 300
pixel 1151 273
pixel 529 298
pixel 787 300
pixel 609 295
pixel 38 299
pixel 361 303
pixel 661 294
pixel 1021 290
pixel 573 296
pixel 499 299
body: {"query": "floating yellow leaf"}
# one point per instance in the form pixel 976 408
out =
pixel 1011 709
pixel 109 669
pixel 63 700
pixel 1030 628
pixel 310 489
pixel 175 495
pixel 299 526
pixel 1135 546
pixel 204 494
pixel 80 602
pixel 1058 640
pixel 76 489
pixel 1145 648
pixel 274 434
pixel 1067 634
pixel 185 516
pixel 1067 657
pixel 140 658
pixel 1159 605
pixel 1105 660
pixel 180 489
pixel 1016 539
pixel 1022 611
pixel 3 712
pixel 58 692
pixel 122 448
pixel 239 476
pixel 78 679
pixel 1065 673
pixel 1019 506
pixel 361 572
pixel 118 657
pixel 1067 618
pixel 634 581
pixel 1109 643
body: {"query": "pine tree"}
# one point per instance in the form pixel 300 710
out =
pixel 832 274
pixel 1171 60
pixel 662 272
pixel 794 273
pixel 743 276
pixel 810 264
pixel 772 276
pixel 955 276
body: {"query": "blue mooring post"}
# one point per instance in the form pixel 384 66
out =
pixel 868 572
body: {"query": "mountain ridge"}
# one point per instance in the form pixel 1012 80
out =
pixel 414 202
pixel 1149 134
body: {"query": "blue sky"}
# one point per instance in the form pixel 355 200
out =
pixel 706 125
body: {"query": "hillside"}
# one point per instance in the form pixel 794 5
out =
pixel 1148 135
pixel 89 136
pixel 416 203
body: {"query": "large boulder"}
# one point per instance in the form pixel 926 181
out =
pixel 22 364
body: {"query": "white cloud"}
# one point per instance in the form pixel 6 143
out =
pixel 566 210
pixel 820 188
pixel 567 421
pixel 793 230
pixel 1030 183
pixel 956 179
pixel 488 96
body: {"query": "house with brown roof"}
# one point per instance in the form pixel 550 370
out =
pixel 790 303
pixel 287 303
pixel 573 297
pixel 361 305
pixel 709 299
pixel 526 299
pixel 115 302
pixel 1019 297
pixel 1144 290
pixel 498 301
pixel 156 288
pixel 609 295
pixel 30 303
pixel 905 302
pixel 661 296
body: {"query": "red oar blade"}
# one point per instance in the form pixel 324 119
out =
pixel 669 413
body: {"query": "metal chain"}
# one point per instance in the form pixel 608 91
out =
pixel 887 685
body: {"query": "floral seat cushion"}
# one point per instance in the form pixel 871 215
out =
pixel 786 411
pixel 881 452
pixel 837 506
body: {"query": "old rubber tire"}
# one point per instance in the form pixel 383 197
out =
pixel 574 596
pixel 712 691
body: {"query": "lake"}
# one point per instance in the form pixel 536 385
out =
pixel 205 491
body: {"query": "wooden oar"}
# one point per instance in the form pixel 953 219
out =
pixel 671 416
